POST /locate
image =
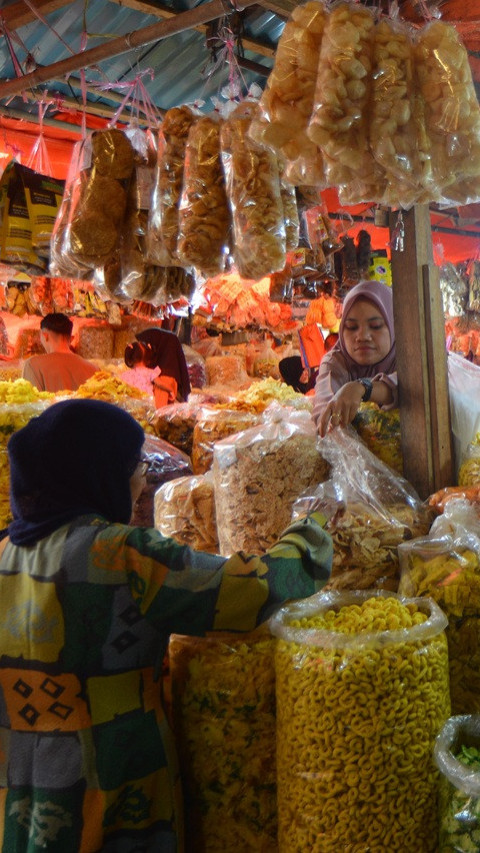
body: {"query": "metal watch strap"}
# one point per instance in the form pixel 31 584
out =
pixel 368 385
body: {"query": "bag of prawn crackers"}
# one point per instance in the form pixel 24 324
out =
pixel 370 509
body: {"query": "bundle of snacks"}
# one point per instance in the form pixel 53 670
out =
pixel 165 463
pixel 362 691
pixel 446 567
pixel 103 385
pixel 259 473
pixel 339 121
pixel 286 104
pixel 290 211
pixel 452 113
pixel 204 214
pixel 370 511
pixel 175 424
pixel 226 370
pixel 262 392
pixel 397 127
pixel 95 341
pixel 380 430
pixel 98 198
pixel 184 510
pixel 212 425
pixel 224 705
pixel 253 187
pixel 457 755
pixel 163 224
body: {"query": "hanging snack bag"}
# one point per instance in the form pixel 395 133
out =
pixel 457 755
pixel 452 112
pixel 163 222
pixel 253 187
pixel 362 691
pixel 258 474
pixel 290 210
pixel 339 121
pixel 397 127
pixel 204 214
pixel 223 690
pixel 287 101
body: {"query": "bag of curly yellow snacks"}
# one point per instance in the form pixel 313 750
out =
pixel 457 754
pixel 380 430
pixel 362 691
pixel 445 566
pixel 223 690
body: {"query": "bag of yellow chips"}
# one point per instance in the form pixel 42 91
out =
pixel 362 690
pixel 457 755
pixel 445 566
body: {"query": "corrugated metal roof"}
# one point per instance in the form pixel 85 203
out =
pixel 180 64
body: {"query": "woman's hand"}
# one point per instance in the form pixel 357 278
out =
pixel 342 408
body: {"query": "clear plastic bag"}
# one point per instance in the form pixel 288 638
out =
pixel 445 566
pixel 287 101
pixel 165 463
pixel 185 511
pixel 204 214
pixel 370 509
pixel 212 425
pixel 460 784
pixel 253 187
pixel 223 691
pixel 362 691
pixel 463 384
pixel 175 424
pixel 452 116
pixel 258 474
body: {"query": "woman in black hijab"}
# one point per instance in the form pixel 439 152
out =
pixel 168 355
pixel 87 604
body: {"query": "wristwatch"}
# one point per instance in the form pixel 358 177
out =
pixel 368 385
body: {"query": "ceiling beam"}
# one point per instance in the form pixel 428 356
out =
pixel 139 38
pixel 166 12
pixel 19 15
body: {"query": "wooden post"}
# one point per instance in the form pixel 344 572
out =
pixel 421 356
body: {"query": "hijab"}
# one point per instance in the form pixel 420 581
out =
pixel 169 356
pixel 291 369
pixel 380 295
pixel 75 459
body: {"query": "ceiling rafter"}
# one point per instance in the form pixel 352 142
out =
pixel 19 15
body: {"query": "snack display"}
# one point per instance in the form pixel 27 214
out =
pixel 212 425
pixel 224 707
pixel 163 223
pixel 175 424
pixel 253 187
pixel 457 755
pixel 452 112
pixel 258 474
pixel 204 214
pixel 362 691
pixel 95 341
pixel 184 509
pixel 226 370
pixel 287 101
pixel 339 121
pixel 380 430
pixel 290 211
pixel 165 463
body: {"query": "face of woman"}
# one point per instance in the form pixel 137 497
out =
pixel 365 333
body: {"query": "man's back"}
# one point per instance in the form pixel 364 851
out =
pixel 57 371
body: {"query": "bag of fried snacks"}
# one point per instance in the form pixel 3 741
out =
pixel 163 220
pixel 339 120
pixel 445 566
pixel 362 691
pixel 185 511
pixel 253 188
pixel 457 755
pixel 380 430
pixel 397 124
pixel 370 509
pixel 227 370
pixel 204 213
pixel 452 114
pixel 212 425
pixel 469 472
pixel 175 422
pixel 223 692
pixel 286 104
pixel 290 209
pixel 259 473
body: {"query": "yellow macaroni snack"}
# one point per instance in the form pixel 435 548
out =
pixel 446 568
pixel 457 754
pixel 223 693
pixel 362 691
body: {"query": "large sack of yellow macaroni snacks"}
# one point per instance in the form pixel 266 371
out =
pixel 362 691
pixel 223 699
